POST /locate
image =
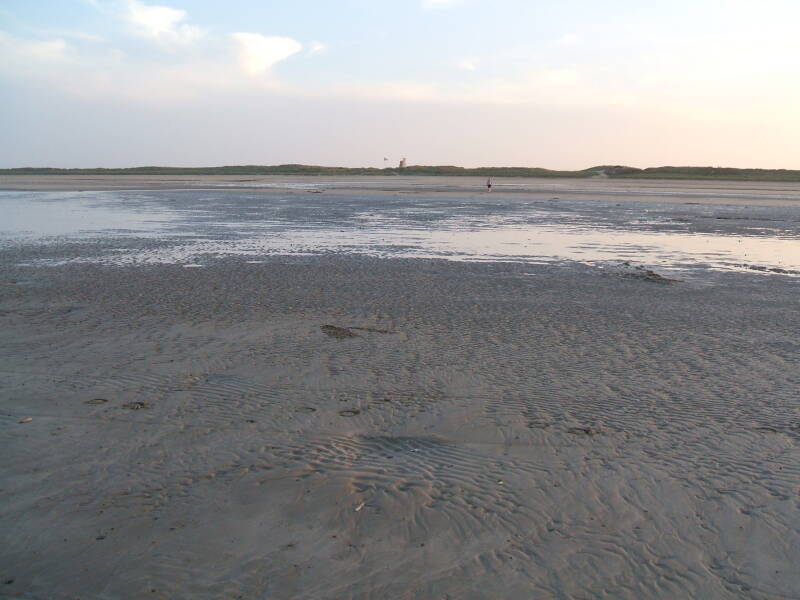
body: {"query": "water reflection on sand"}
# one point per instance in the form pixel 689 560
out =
pixel 193 223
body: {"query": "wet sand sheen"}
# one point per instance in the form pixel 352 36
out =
pixel 185 226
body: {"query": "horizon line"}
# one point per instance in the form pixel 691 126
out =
pixel 397 168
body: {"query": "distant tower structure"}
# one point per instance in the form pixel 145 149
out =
pixel 403 163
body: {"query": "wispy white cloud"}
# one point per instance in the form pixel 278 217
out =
pixel 96 71
pixel 238 63
pixel 192 61
pixel 467 64
pixel 703 74
pixel 161 23
pixel 317 47
pixel 257 53
pixel 80 36
pixel 19 50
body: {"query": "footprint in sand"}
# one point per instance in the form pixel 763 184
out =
pixel 350 412
pixel 339 333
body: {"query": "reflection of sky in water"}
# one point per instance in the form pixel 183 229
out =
pixel 536 243
pixel 70 214
pixel 191 226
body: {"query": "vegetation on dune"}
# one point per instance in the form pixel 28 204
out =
pixel 488 171
pixel 612 171
pixel 708 173
pixel 226 170
pixel 293 169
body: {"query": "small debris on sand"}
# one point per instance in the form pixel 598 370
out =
pixel 649 275
pixel 139 405
pixel 26 420
pixel 337 332
pixel 583 431
pixel 350 412
pixel 95 401
pixel 359 507
pixel 631 271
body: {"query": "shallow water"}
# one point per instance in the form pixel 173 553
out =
pixel 190 226
pixel 39 215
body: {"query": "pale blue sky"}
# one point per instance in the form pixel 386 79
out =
pixel 509 82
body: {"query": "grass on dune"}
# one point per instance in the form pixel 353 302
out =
pixel 614 172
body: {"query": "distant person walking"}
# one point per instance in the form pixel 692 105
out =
pixel 489 184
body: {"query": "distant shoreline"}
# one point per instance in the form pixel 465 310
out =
pixel 706 191
pixel 614 172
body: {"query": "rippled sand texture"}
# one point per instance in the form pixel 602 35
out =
pixel 362 428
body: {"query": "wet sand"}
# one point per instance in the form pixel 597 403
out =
pixel 352 427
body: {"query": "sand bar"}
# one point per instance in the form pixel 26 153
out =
pixel 725 192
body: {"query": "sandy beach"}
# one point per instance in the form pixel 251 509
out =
pixel 331 422
pixel 708 191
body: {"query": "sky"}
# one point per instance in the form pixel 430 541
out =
pixel 562 85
